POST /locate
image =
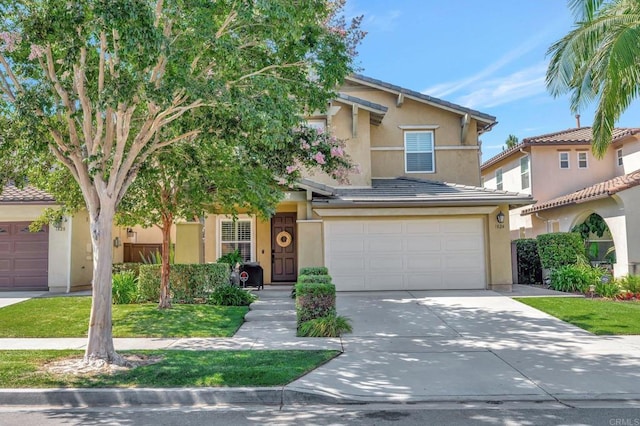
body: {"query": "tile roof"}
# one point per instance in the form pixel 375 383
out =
pixel 488 119
pixel 594 192
pixel 409 191
pixel 363 102
pixel 575 136
pixel 12 194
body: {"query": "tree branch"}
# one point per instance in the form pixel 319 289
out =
pixel 265 69
pixel 12 76
pixel 85 102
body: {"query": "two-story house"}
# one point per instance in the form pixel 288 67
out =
pixel 397 225
pixel 569 184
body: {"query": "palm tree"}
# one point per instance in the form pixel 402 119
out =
pixel 512 140
pixel 599 60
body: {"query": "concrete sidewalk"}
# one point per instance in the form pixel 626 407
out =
pixel 406 347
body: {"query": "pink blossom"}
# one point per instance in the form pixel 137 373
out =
pixel 336 151
pixel 304 145
pixel 10 41
pixel 315 143
pixel 291 169
pixel 319 157
pixel 281 181
pixel 37 51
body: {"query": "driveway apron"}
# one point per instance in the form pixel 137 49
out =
pixel 469 345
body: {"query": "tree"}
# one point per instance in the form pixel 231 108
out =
pixel 512 140
pixel 598 60
pixel 89 86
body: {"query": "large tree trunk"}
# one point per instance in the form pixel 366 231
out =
pixel 165 299
pixel 100 343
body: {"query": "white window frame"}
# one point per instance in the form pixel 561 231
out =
pixel 619 157
pixel 528 172
pixel 432 152
pixel 320 124
pixel 586 159
pixel 568 161
pixel 240 218
pixel 499 182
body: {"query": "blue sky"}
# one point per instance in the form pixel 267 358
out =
pixel 490 56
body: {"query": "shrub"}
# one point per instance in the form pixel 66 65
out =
pixel 328 326
pixel 576 278
pixel 630 283
pixel 529 267
pixel 559 249
pixel 610 290
pixel 314 270
pixel 231 258
pixel 320 279
pixel 314 300
pixel 121 267
pixel 231 295
pixel 191 283
pixel 125 288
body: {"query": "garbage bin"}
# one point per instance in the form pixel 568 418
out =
pixel 251 275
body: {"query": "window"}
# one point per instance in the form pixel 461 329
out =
pixel 564 160
pixel 499 179
pixel 318 124
pixel 418 152
pixel 619 156
pixel 524 172
pixel 582 160
pixel 236 235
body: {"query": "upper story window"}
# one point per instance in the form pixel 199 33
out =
pixel 582 160
pixel 619 156
pixel 564 160
pixel 524 172
pixel 418 152
pixel 499 179
pixel 319 124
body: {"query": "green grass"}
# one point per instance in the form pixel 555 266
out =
pixel 598 316
pixel 23 369
pixel 69 317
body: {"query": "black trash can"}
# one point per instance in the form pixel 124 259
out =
pixel 251 275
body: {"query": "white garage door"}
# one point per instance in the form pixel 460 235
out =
pixel 410 254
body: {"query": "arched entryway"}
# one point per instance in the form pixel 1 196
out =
pixel 599 242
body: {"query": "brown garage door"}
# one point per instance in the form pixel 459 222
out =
pixel 23 257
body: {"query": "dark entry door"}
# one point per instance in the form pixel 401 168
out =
pixel 284 261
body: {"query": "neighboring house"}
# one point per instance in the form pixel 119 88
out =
pixel 397 225
pixel 569 184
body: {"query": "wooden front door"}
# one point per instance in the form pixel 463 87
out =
pixel 284 254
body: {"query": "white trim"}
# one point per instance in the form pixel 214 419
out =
pixel 387 148
pixel 418 126
pixel 528 172
pixel 432 152
pixel 501 182
pixel 309 221
pixel 456 148
pixel 586 159
pixel 240 217
pixel 560 160
pixel 619 157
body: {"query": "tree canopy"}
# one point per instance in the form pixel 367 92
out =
pixel 598 61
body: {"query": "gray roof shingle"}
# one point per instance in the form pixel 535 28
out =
pixel 12 194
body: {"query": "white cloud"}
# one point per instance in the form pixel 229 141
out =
pixel 381 23
pixel 497 91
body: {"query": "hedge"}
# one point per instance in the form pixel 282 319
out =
pixel 322 279
pixel 529 267
pixel 314 300
pixel 122 267
pixel 560 248
pixel 314 270
pixel 188 283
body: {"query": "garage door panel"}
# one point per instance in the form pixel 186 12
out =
pixel 24 262
pixel 5 247
pixel 5 265
pixel 419 254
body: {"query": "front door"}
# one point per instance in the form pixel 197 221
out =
pixel 284 259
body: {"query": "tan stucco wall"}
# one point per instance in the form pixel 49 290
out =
pixel 499 250
pixel 189 246
pixel 81 268
pixel 310 243
pixel 150 235
pixel 630 155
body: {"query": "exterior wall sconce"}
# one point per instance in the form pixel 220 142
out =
pixel 130 233
pixel 116 242
pixel 500 217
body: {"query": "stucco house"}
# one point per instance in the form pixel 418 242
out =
pixel 569 184
pixel 414 218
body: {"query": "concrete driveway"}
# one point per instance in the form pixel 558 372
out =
pixel 469 345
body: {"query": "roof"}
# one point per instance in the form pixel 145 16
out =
pixel 575 136
pixel 480 116
pixel 12 194
pixel 594 192
pixel 377 111
pixel 409 191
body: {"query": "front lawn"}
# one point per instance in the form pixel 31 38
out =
pixel 69 317
pixel 598 316
pixel 24 369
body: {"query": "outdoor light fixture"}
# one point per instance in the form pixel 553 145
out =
pixel 500 217
pixel 130 233
pixel 59 224
pixel 116 242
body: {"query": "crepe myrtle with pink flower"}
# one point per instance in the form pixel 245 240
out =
pixel 316 150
